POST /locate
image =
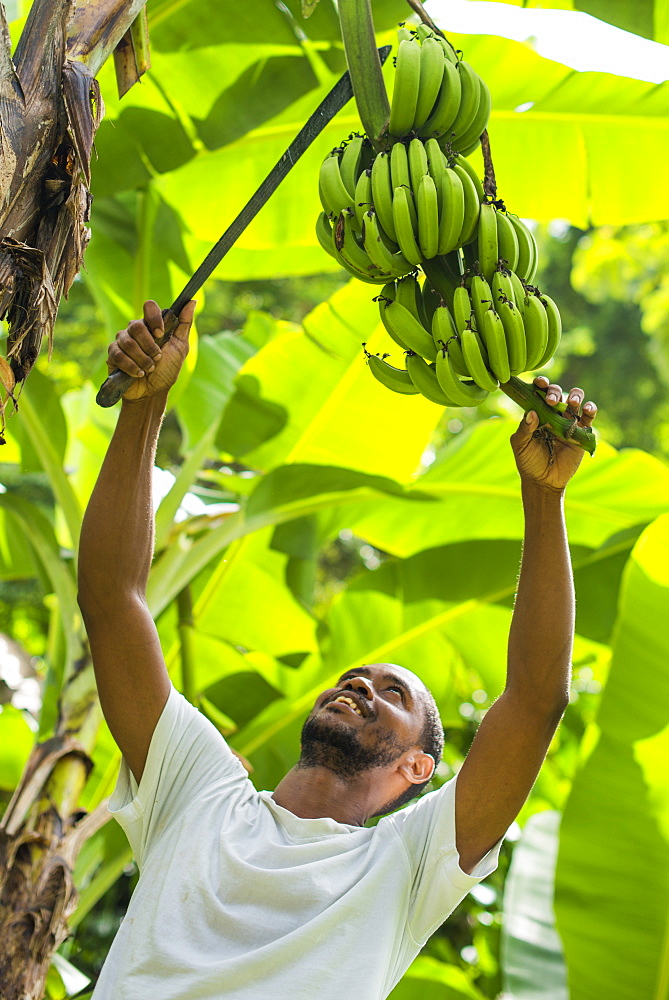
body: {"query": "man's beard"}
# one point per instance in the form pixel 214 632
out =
pixel 338 748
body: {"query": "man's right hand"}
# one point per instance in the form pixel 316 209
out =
pixel 136 352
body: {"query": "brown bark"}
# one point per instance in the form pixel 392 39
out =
pixel 39 843
pixel 50 108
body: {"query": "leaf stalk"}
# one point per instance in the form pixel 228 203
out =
pixel 357 29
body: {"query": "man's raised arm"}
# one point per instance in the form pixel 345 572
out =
pixel 117 540
pixel 513 738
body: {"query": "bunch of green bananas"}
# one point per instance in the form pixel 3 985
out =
pixel 457 356
pixel 436 95
pixel 477 319
pixel 412 204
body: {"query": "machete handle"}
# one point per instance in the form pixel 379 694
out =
pixel 117 382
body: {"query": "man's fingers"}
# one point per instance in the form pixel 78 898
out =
pixel 143 338
pixel 526 429
pixel 185 321
pixel 574 399
pixel 153 318
pixel 117 358
pixel 589 414
pixel 553 394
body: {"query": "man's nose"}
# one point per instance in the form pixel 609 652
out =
pixel 362 685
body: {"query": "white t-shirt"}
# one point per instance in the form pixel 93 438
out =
pixel 239 898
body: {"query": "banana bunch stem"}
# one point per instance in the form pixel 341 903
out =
pixel 357 28
pixel 552 424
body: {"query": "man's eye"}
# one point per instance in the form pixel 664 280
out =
pixel 395 687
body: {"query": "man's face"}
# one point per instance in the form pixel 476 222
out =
pixel 373 716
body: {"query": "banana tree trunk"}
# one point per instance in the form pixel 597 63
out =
pixel 50 108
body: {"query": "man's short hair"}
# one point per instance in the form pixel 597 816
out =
pixel 431 740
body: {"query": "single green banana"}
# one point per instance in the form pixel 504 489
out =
pixel 363 197
pixel 447 104
pixel 444 332
pixel 405 88
pixel 475 360
pixel 469 140
pixel 535 321
pixel 535 260
pixel 494 339
pixel 424 378
pixel 400 175
pixel 436 166
pixel 353 255
pixel 462 393
pixel 334 194
pixel 462 308
pixel 452 218
pixel 388 292
pixel 502 286
pixel 397 379
pixel 463 162
pixel 408 329
pixel 379 251
pixel 382 193
pixel 472 206
pixel 428 217
pixel 481 294
pixel 470 98
pixel 404 33
pixel 408 293
pixel 431 74
pixel 519 293
pixel 514 332
pixel 425 31
pixel 527 249
pixel 417 161
pixel 324 234
pixel 350 162
pixel 488 250
pixel 554 329
pixel 449 51
pixel 405 222
pixel 507 241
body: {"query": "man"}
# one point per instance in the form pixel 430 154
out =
pixel 248 895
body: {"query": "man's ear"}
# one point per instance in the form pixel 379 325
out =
pixel 417 767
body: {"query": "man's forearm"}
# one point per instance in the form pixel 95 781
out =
pixel 117 532
pixel 541 636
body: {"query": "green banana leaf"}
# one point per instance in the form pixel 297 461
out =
pixel 430 979
pixel 16 740
pixel 41 431
pixel 612 881
pixel 613 492
pixel 34 525
pixel 531 954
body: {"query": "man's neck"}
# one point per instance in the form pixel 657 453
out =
pixel 314 792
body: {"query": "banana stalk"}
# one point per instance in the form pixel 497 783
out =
pixel 551 423
pixel 357 28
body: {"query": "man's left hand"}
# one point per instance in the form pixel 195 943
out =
pixel 550 466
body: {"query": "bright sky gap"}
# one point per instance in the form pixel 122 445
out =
pixel 571 38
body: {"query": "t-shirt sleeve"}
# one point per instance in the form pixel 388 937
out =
pixel 187 757
pixel 427 830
